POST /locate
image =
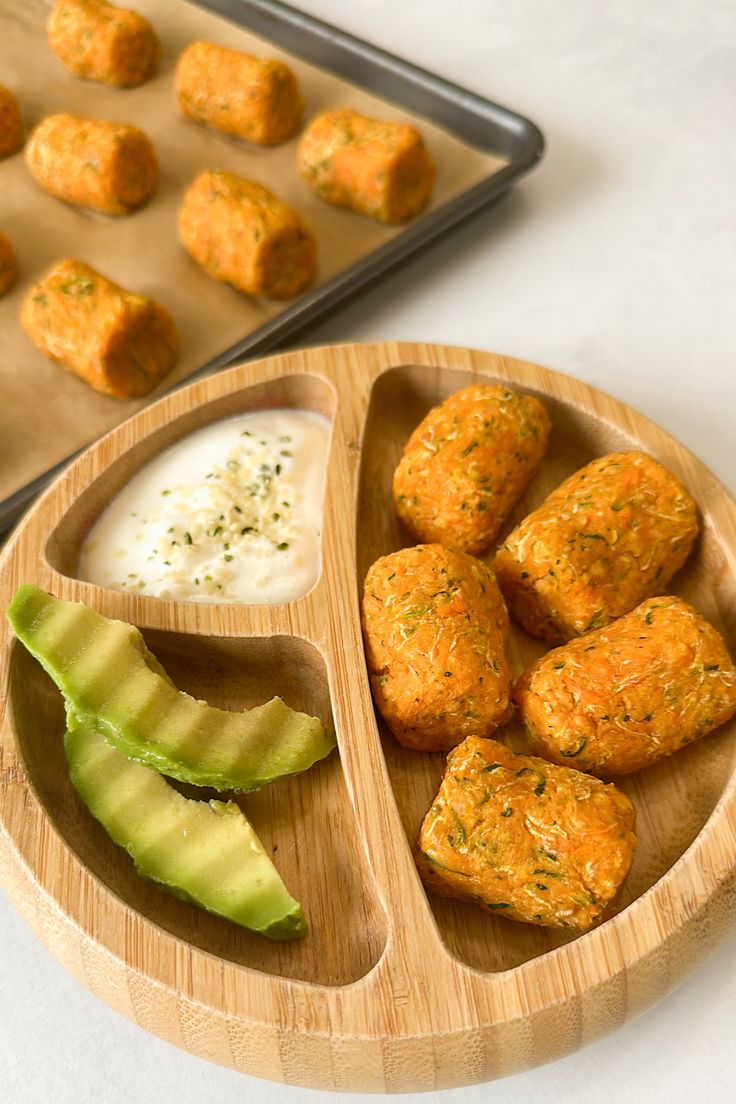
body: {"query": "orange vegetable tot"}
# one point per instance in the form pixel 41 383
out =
pixel 11 125
pixel 611 535
pixel 241 234
pixel 7 265
pixel 380 169
pixel 617 700
pixel 467 464
pixel 435 629
pixel 529 841
pixel 100 42
pixel 255 99
pixel 109 167
pixel 118 342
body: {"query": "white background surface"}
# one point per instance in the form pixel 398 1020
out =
pixel 613 262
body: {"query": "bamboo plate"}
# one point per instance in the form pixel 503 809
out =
pixel 390 991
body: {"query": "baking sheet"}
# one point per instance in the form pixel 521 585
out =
pixel 47 414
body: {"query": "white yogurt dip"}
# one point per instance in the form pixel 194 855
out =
pixel 231 513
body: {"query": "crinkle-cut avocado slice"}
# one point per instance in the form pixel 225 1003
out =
pixel 112 683
pixel 203 851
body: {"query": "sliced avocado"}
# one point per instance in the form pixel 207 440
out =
pixel 203 851
pixel 112 683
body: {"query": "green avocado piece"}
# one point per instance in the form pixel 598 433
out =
pixel 112 683
pixel 203 851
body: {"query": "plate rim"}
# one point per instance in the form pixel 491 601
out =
pixel 625 941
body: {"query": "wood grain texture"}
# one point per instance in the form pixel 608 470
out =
pixel 390 992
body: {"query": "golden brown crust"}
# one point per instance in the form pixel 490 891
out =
pixel 532 842
pixel 11 124
pixel 7 265
pixel 255 99
pixel 467 464
pixel 120 343
pixel 243 235
pixel 109 167
pixel 611 535
pixel 101 42
pixel 435 628
pixel 619 699
pixel 376 168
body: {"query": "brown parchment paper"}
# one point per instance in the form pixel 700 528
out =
pixel 45 413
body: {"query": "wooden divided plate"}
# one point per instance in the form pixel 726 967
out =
pixel 391 990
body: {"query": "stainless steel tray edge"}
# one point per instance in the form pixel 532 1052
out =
pixel 473 118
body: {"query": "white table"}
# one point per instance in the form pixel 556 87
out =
pixel 613 262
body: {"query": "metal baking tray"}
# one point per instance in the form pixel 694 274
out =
pixel 475 120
